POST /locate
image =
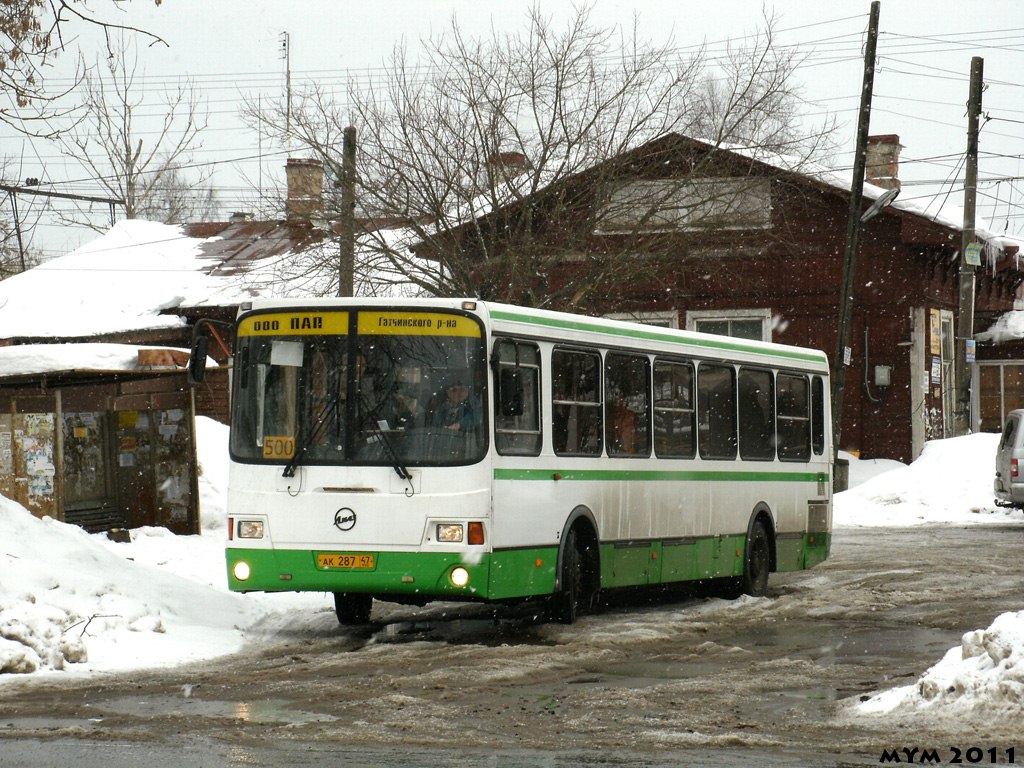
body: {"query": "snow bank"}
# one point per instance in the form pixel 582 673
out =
pixel 212 458
pixel 951 482
pixel 982 677
pixel 66 598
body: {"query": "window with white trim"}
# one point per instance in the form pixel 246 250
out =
pixel 668 205
pixel 754 324
pixel 666 319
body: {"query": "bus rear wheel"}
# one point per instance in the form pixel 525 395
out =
pixel 352 608
pixel 757 563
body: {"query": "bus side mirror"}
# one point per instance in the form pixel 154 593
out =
pixel 197 360
pixel 510 391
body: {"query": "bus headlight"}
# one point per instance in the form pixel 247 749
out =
pixel 241 570
pixel 250 529
pixel 450 533
pixel 459 576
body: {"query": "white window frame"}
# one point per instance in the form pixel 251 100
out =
pixel 764 315
pixel 687 205
pixel 666 319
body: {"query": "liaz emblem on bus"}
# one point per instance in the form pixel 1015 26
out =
pixel 278 447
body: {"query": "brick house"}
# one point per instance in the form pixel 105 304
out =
pixel 753 248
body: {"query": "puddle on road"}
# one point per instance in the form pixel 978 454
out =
pixel 889 656
pixel 270 711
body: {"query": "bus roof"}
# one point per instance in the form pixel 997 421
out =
pixel 583 328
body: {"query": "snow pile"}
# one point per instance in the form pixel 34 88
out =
pixel 951 482
pixel 862 470
pixel 66 598
pixel 983 677
pixel 212 458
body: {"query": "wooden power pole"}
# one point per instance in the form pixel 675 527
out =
pixel 347 263
pixel 965 315
pixel 842 359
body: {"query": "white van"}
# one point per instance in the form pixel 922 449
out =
pixel 1009 482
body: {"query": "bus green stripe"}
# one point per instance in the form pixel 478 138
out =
pixel 653 335
pixel 661 475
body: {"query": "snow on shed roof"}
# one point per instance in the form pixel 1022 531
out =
pixel 34 359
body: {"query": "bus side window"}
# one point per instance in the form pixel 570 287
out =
pixel 756 414
pixel 818 415
pixel 716 411
pixel 675 436
pixel 517 426
pixel 576 427
pixel 627 405
pixel 794 418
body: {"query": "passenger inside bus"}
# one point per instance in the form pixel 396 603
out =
pixel 458 411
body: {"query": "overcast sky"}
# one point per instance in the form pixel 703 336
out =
pixel 232 48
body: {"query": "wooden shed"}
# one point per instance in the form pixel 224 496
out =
pixel 100 435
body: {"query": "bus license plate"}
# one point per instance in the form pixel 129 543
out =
pixel 351 561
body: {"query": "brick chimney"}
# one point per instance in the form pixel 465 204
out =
pixel 882 164
pixel 505 166
pixel 305 189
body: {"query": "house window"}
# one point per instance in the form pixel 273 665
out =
pixel 668 319
pixel 1001 389
pixel 667 205
pixel 754 324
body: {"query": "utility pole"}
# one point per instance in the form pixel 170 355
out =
pixel 843 353
pixel 347 262
pixel 14 191
pixel 965 315
pixel 286 54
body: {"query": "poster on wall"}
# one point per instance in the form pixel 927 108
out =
pixel 935 324
pixel 936 369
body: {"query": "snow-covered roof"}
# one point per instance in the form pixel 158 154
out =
pixel 940 211
pixel 125 280
pixel 34 359
pixel 143 276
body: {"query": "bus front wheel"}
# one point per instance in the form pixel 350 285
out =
pixel 576 592
pixel 352 608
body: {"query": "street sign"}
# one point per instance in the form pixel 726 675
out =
pixel 972 254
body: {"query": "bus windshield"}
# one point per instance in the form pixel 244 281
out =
pixel 366 387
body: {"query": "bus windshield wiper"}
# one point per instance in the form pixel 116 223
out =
pixel 382 437
pixel 321 422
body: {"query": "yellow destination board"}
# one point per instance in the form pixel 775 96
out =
pixel 295 324
pixel 417 324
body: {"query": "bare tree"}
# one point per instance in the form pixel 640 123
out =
pixel 505 158
pixel 108 141
pixel 174 199
pixel 32 32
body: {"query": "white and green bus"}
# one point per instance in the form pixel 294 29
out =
pixel 456 449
